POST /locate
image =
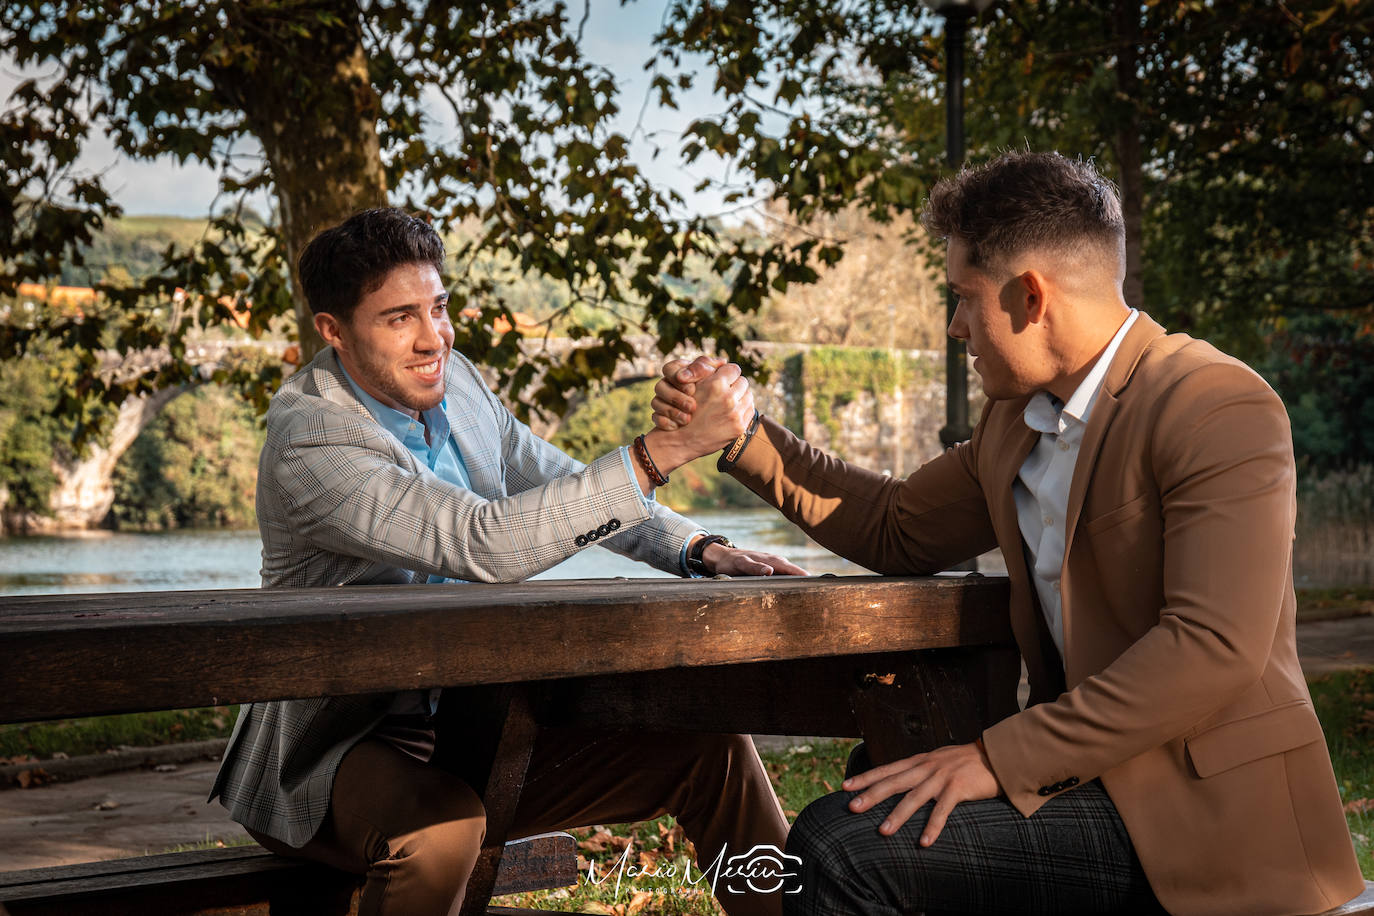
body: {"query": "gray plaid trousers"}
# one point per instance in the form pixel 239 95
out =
pixel 1071 857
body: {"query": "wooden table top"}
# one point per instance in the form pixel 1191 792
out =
pixel 163 650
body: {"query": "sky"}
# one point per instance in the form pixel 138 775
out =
pixel 615 36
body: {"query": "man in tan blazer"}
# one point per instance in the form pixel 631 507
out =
pixel 1141 487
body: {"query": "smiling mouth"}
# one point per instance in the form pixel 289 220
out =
pixel 429 368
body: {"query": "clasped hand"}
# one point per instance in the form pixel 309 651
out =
pixel 675 394
pixel 722 409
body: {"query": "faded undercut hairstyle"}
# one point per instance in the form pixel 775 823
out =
pixel 344 263
pixel 1023 201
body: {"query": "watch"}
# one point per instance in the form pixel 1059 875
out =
pixel 694 562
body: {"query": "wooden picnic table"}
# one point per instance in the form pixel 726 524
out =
pixel 906 663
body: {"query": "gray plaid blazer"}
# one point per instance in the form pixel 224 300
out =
pixel 341 501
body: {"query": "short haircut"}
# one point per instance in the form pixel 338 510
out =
pixel 344 263
pixel 1023 201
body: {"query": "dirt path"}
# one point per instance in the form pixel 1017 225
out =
pixel 109 817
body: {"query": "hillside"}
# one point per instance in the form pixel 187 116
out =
pixel 134 244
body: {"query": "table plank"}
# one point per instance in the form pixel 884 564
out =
pixel 163 650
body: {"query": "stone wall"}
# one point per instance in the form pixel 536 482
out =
pixel 881 409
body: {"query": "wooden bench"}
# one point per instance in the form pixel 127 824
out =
pixel 243 880
pixel 1361 904
pixel 907 663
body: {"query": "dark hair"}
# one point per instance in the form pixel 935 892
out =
pixel 1025 200
pixel 346 262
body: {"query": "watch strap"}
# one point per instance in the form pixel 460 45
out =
pixel 695 563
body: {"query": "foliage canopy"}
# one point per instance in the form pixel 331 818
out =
pixel 1241 135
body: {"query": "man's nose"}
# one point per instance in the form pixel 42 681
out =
pixel 429 337
pixel 958 327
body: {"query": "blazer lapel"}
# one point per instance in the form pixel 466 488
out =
pixel 1019 442
pixel 1123 365
pixel 1145 330
pixel 1010 454
pixel 474 442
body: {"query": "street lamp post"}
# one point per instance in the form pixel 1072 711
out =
pixel 957 14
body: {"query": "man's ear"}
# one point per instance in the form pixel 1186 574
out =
pixel 329 329
pixel 1035 289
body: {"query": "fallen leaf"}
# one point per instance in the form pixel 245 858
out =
pixel 1360 806
pixel 597 842
pixel 108 804
pixel 637 902
pixel 30 779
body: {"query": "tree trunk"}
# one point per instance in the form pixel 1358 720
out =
pixel 327 165
pixel 1128 36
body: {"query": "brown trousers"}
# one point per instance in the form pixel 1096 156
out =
pixel 415 829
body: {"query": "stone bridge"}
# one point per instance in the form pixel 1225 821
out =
pixel 84 489
pixel 879 408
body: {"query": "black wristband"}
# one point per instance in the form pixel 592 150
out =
pixel 730 457
pixel 694 561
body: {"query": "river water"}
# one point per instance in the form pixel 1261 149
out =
pixel 105 561
pixel 200 559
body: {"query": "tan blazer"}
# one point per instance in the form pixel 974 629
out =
pixel 1181 687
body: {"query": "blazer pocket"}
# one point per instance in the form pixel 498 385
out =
pixel 1123 513
pixel 1274 731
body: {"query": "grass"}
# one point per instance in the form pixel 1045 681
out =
pixel 1335 603
pixel 40 741
pixel 653 860
pixel 1345 704
pixel 210 842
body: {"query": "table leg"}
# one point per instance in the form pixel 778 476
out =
pixel 502 793
pixel 934 699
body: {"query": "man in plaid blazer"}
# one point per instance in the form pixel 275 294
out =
pixel 389 461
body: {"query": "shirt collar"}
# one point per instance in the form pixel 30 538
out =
pixel 1045 413
pixel 399 423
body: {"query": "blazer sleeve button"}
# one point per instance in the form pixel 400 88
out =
pixel 592 535
pixel 580 540
pixel 1045 790
pixel 603 530
pixel 1071 782
pixel 613 524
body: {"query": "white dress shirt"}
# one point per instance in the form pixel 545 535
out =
pixel 1042 486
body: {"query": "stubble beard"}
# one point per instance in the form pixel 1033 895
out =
pixel 384 379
